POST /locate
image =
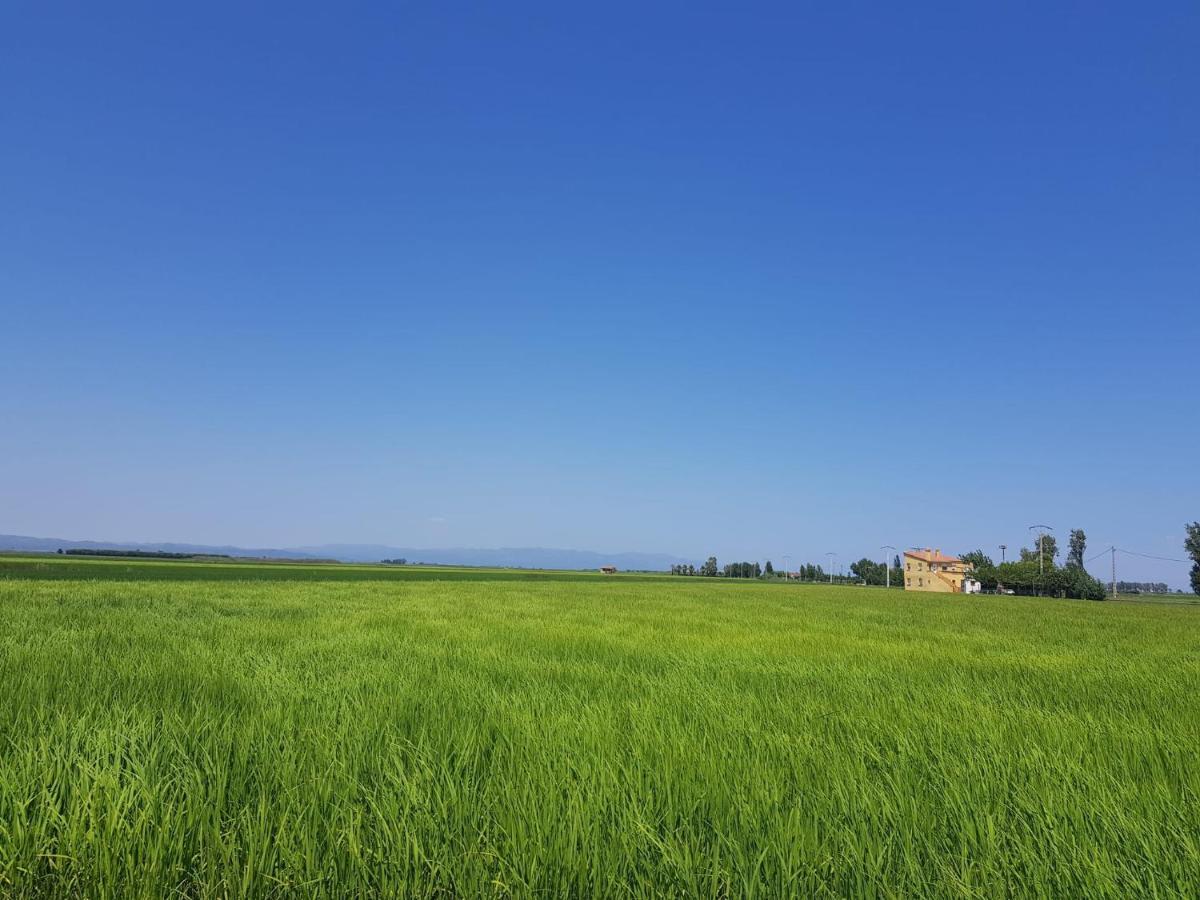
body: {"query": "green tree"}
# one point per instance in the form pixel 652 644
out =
pixel 709 569
pixel 1076 582
pixel 1077 545
pixel 1019 575
pixel 1192 545
pixel 978 559
pixel 982 568
pixel 1025 577
pixel 869 571
pixel 769 570
pixel 1049 546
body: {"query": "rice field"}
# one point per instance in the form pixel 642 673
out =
pixel 179 729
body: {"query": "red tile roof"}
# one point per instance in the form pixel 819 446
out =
pixel 932 556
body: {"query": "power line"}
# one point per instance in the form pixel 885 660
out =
pixel 1098 555
pixel 1149 556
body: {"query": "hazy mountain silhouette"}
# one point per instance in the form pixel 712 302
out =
pixel 517 557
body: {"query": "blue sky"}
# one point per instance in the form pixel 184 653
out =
pixel 739 279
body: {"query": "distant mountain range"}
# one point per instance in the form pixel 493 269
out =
pixel 513 557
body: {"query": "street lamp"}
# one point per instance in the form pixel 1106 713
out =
pixel 786 576
pixel 887 566
pixel 1003 557
pixel 834 555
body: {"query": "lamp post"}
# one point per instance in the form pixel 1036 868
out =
pixel 887 566
pixel 834 555
pixel 1003 548
pixel 786 576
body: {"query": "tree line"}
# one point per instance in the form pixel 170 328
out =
pixel 1142 587
pixel 140 554
pixel 743 570
pixel 868 571
pixel 862 571
pixel 1036 571
pixel 730 570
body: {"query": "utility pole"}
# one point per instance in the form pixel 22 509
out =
pixel 786 575
pixel 887 565
pixel 834 555
pixel 1041 556
pixel 1114 570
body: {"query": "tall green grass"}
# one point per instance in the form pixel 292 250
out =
pixel 599 737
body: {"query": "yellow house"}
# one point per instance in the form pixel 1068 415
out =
pixel 932 570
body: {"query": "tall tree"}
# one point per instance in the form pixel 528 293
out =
pixel 1049 547
pixel 1192 546
pixel 978 559
pixel 1076 548
pixel 709 569
pixel 769 570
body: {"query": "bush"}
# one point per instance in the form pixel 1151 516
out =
pixel 1078 583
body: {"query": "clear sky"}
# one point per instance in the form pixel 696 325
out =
pixel 739 279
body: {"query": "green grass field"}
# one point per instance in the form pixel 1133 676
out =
pixel 176 729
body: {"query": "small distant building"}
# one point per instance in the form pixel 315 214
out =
pixel 932 570
pixel 609 570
